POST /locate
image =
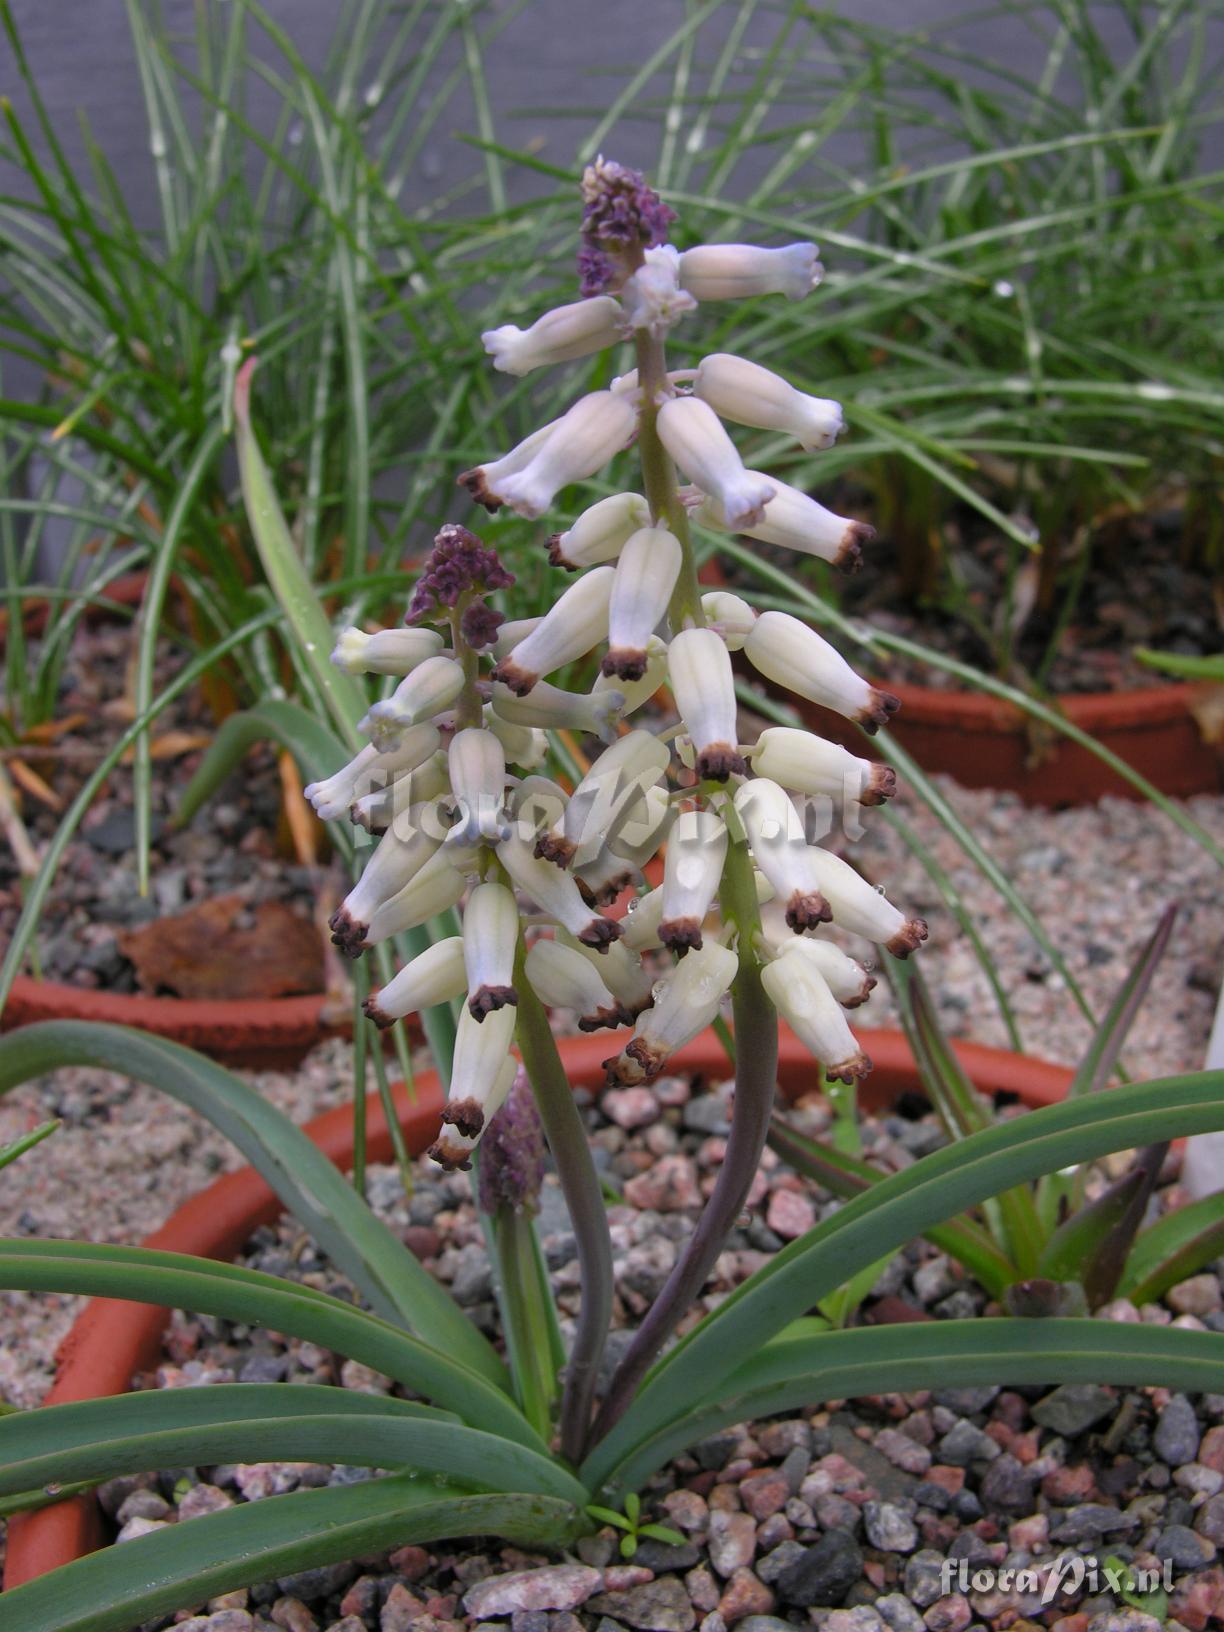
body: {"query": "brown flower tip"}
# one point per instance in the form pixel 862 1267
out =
pixel 879 710
pixel 555 847
pixel 851 1070
pixel 454 1158
pixel 624 663
pixel 679 934
pixel 881 785
pixel 379 1016
pixel 348 936
pixel 908 938
pixel 466 1116
pixel 375 818
pixel 868 986
pixel 513 677
pixel 600 933
pixel 849 555
pixel 806 909
pixel 608 1019
pixel 556 555
pixel 649 1056
pixel 474 481
pixel 718 761
pixel 487 998
pixel 608 889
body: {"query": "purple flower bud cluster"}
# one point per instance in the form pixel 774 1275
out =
pixel 458 565
pixel 512 1153
pixel 621 214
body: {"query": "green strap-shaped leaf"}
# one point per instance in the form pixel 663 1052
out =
pixel 1177 1245
pixel 264 1300
pixel 310 1187
pixel 316 749
pixel 287 577
pixel 806 1369
pixel 941 1185
pixel 97 1439
pixel 120 1587
pixel 845 1176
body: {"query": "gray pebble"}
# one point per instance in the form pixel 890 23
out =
pixel 889 1527
pixel 777 1562
pixel 825 1573
pixel 895 1609
pixel 1176 1440
pixel 1090 1521
pixel 965 1444
pixel 1073 1407
pixel 1183 1549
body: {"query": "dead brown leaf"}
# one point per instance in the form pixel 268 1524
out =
pixel 226 949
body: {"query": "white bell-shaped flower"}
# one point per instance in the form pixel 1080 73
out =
pixel 696 850
pixel 512 632
pixel 694 436
pixel 482 1074
pixel 605 797
pixel 483 481
pixel 781 851
pixel 849 982
pixel 646 823
pixel 490 941
pixel 785 650
pixel 398 857
pixel 802 997
pixel 652 297
pixel 581 442
pixel 382 808
pixel 606 877
pixel 805 763
pixel 563 979
pixel 523 745
pixel 429 689
pixel 551 708
pixel 554 892
pixel 370 772
pixel 646 574
pixel 569 629
pixel 566 332
pixel 748 394
pixel 434 976
pixel 794 521
pixel 635 693
pixel 477 763
pixel 687 1001
pixel 437 886
pixel 699 670
pixel 600 533
pixel 859 907
pixel 641 922
pixel 737 271
pixel 388 651
pixel 621 972
pixel 729 616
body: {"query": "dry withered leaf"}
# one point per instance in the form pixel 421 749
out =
pixel 224 949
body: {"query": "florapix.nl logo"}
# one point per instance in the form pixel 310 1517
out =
pixel 1066 1575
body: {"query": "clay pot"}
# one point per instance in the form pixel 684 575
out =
pixel 113 1339
pixel 983 742
pixel 258 1034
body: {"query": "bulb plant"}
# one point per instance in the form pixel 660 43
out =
pixel 515 1439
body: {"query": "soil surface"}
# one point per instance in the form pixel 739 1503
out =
pixel 95 930
pixel 1136 592
pixel 854 1516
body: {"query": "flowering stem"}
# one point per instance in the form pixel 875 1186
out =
pixel 756 1053
pixel 659 477
pixel 468 709
pixel 528 1321
pixel 567 1140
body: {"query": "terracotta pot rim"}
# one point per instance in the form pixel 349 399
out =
pixel 233 1030
pixel 1092 711
pixel 112 1339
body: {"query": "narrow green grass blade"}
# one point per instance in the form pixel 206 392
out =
pixel 310 1187
pixel 150 634
pixel 121 1587
pixel 1175 1247
pixel 287 577
pixel 263 1300
pixel 18 1147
